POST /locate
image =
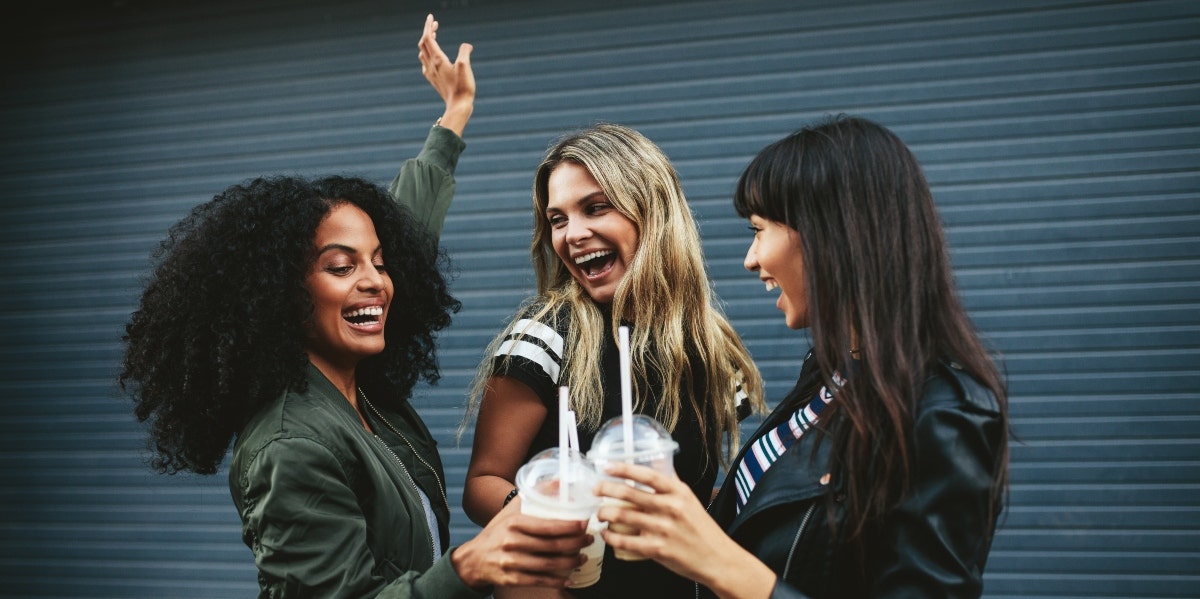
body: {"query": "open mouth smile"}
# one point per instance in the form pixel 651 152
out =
pixel 364 317
pixel 596 264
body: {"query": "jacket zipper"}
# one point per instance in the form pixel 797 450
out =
pixel 417 454
pixel 787 566
pixel 413 482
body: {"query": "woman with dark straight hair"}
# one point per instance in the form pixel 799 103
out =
pixel 882 473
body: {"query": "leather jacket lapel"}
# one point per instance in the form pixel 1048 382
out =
pixel 796 476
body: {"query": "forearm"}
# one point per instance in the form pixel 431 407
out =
pixel 483 497
pixel 738 575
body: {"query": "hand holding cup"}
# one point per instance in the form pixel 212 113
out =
pixel 562 489
pixel 640 442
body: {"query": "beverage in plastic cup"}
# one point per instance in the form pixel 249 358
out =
pixel 540 481
pixel 651 446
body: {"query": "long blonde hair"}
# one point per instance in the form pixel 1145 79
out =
pixel 678 330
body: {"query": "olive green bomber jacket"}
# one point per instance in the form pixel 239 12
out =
pixel 425 184
pixel 329 509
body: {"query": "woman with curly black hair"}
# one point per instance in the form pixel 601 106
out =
pixel 296 316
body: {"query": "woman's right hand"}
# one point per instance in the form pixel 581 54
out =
pixel 519 550
pixel 671 527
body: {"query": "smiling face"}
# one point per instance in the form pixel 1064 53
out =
pixel 777 257
pixel 593 239
pixel 350 290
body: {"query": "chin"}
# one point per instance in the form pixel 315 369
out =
pixel 796 323
pixel 602 295
pixel 369 349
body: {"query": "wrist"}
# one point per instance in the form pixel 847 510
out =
pixel 511 495
pixel 732 572
pixel 742 579
pixel 456 116
pixel 461 561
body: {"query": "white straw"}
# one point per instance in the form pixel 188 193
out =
pixel 564 448
pixel 572 431
pixel 626 389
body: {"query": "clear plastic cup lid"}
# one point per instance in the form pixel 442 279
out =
pixel 541 477
pixel 649 439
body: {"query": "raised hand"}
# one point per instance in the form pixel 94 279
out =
pixel 453 80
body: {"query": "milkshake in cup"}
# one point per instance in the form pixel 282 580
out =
pixel 544 495
pixel 649 445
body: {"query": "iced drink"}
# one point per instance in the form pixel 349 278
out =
pixel 540 481
pixel 651 445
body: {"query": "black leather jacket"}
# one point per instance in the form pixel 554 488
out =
pixel 933 544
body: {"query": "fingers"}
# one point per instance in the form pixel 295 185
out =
pixel 620 490
pixel 430 30
pixel 549 536
pixel 516 549
pixel 632 543
pixel 428 50
pixel 641 474
pixel 527 560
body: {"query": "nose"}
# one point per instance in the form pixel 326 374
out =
pixel 751 260
pixel 577 231
pixel 371 279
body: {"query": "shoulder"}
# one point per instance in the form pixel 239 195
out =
pixel 958 416
pixel 948 386
pixel 298 427
pixel 540 322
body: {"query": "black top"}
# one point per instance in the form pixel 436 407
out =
pixel 537 353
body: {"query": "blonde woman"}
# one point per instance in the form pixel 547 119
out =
pixel 614 243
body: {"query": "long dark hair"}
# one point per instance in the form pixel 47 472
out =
pixel 881 294
pixel 220 332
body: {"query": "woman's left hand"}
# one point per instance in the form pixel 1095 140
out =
pixel 454 81
pixel 676 531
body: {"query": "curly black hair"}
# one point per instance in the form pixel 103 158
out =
pixel 220 332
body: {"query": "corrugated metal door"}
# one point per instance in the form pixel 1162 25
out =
pixel 1061 138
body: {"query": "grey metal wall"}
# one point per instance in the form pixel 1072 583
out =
pixel 1061 138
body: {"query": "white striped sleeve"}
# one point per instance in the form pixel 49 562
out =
pixel 537 343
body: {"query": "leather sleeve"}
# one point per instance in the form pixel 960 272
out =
pixel 784 590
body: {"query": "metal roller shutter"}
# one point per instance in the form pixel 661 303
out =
pixel 1061 139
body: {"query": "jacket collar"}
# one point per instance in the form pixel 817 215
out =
pixel 800 474
pixel 797 475
pixel 320 385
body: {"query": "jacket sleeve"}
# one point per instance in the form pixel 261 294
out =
pixel 309 536
pixel 936 542
pixel 784 590
pixel 426 184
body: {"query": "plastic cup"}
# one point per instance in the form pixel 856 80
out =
pixel 540 481
pixel 651 446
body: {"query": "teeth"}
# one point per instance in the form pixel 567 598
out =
pixel 592 256
pixel 372 311
pixel 771 285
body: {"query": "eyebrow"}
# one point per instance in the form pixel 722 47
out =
pixel 345 248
